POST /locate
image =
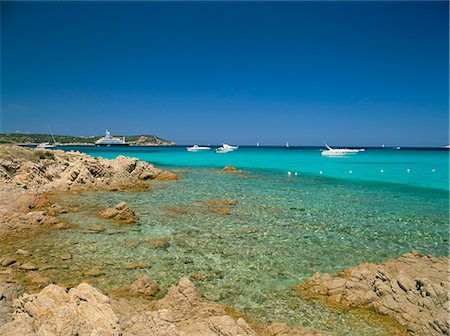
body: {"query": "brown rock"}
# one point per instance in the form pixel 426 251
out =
pixel 108 213
pixel 135 266
pixel 120 213
pixel 24 253
pixel 93 273
pixel 41 202
pixel 96 229
pixel 28 267
pixel 231 169
pixel 412 289
pixel 6 261
pixel 166 176
pixel 37 279
pixel 143 286
pixel 221 202
pixel 65 256
pixel 158 243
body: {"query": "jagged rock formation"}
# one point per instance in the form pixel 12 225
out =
pixel 80 311
pixel 59 170
pixel 412 289
pixel 27 174
pixel 85 311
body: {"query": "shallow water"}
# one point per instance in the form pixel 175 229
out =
pixel 278 231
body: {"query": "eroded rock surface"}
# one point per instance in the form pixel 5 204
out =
pixel 54 311
pixel 26 175
pixel 56 169
pixel 413 289
pixel 83 311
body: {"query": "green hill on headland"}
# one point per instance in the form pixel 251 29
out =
pixel 29 139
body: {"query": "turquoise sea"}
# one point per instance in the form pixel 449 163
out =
pixel 278 231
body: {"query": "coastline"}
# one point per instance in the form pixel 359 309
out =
pixel 83 173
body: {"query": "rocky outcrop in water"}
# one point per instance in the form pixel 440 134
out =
pixel 121 213
pixel 413 289
pixel 83 310
pixel 55 169
pixel 27 174
pixel 231 169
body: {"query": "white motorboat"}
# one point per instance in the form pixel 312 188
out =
pixel 197 148
pixel 225 149
pixel 340 151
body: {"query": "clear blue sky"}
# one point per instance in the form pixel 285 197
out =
pixel 362 73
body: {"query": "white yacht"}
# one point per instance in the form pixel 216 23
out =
pixel 108 140
pixel 46 145
pixel 197 148
pixel 340 151
pixel 226 149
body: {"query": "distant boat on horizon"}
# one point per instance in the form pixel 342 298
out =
pixel 287 144
pixel 108 141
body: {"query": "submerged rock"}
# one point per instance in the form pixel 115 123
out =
pixel 143 286
pixel 28 267
pixel 231 169
pixel 96 229
pixel 412 289
pixel 120 213
pixel 161 243
pixel 6 261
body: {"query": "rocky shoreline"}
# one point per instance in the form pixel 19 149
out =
pixel 413 289
pixel 29 176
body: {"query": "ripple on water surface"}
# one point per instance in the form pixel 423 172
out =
pixel 246 238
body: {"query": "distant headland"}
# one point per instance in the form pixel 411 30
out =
pixel 69 140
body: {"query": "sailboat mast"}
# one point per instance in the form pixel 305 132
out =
pixel 51 133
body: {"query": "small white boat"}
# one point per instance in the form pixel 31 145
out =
pixel 197 148
pixel 287 144
pixel 47 144
pixel 225 149
pixel 44 145
pixel 340 151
